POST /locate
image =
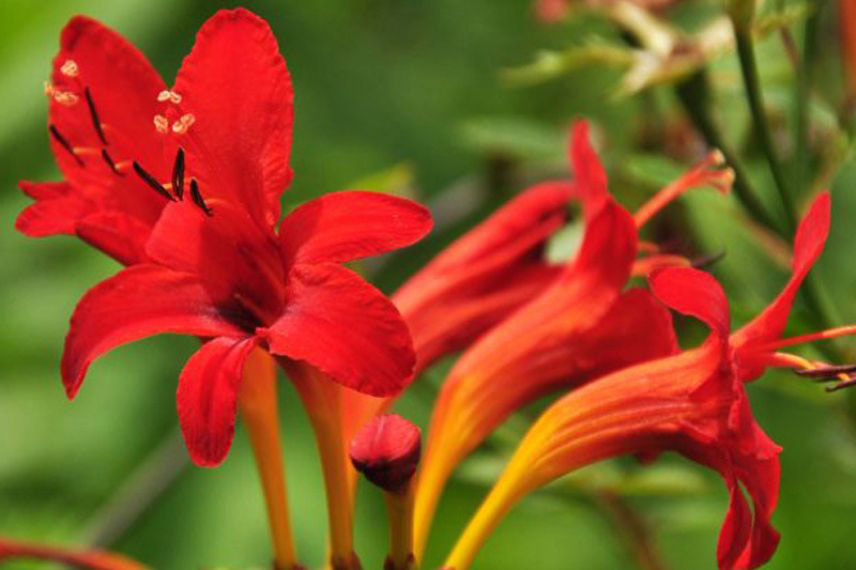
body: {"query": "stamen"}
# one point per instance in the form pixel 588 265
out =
pixel 152 183
pixel 161 124
pixel 109 160
pixel 822 335
pixel 707 260
pixel 170 96
pixel 64 144
pixel 69 68
pixel 65 98
pixel 183 123
pixel 197 198
pixel 708 172
pixel 178 174
pixel 828 371
pixel 841 385
pixel 93 114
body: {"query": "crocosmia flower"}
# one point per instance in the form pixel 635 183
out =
pixel 196 172
pixel 693 402
pixel 565 335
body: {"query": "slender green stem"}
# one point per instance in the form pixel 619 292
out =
pixel 752 85
pixel 694 94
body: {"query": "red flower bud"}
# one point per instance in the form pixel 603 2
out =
pixel 386 450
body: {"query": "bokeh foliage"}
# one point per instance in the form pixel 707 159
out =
pixel 414 87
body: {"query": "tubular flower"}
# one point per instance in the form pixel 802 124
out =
pixel 562 338
pixel 693 402
pixel 215 265
pixel 499 266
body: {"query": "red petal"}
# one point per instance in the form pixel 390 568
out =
pixel 345 226
pixel 486 274
pixel 136 303
pixel 236 86
pixel 589 174
pixel 208 398
pixel 121 237
pixel 346 328
pixel 228 252
pixel 124 89
pixel 56 210
pixel 694 293
pixel 808 245
pixel 744 455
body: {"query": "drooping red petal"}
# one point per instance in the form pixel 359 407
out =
pixel 227 252
pixel 589 174
pixel 55 211
pixel 123 90
pixel 208 397
pixel 769 325
pixel 346 328
pixel 136 303
pixel 236 87
pixel 694 293
pixel 344 226
pixel 745 456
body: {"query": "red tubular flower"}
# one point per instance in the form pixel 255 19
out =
pixel 90 559
pixel 214 265
pixel 562 338
pixel 693 402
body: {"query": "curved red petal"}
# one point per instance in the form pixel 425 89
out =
pixel 55 211
pixel 344 226
pixel 208 397
pixel 346 328
pixel 236 87
pixel 769 325
pixel 694 293
pixel 104 96
pixel 136 303
pixel 589 175
pixel 227 252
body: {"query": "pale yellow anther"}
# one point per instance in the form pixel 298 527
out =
pixel 66 98
pixel 171 96
pixel 161 124
pixel 70 68
pixel 183 123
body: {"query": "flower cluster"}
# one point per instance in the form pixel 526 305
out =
pixel 182 185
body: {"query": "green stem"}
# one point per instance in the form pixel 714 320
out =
pixel 694 94
pixel 752 85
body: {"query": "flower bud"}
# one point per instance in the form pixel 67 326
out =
pixel 386 450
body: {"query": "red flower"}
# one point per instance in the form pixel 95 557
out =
pixel 693 402
pixel 214 265
pixel 565 335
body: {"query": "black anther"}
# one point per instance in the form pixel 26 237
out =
pixel 64 144
pixel 178 174
pixel 109 160
pixel 93 114
pixel 197 198
pixel 151 182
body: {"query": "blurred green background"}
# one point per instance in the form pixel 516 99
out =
pixel 404 96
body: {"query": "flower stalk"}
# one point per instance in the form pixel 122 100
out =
pixel 399 508
pixel 259 410
pixel 752 85
pixel 321 399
